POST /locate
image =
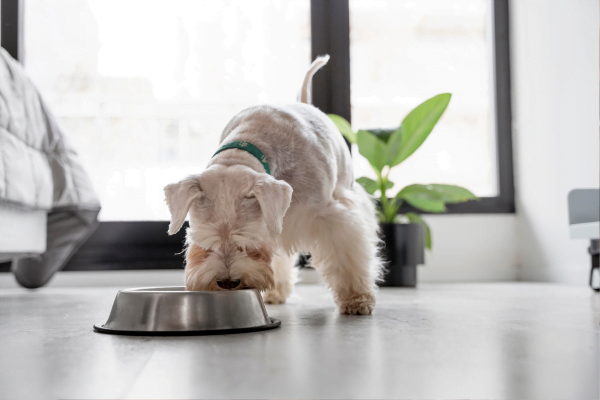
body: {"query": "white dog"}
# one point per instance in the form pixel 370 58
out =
pixel 283 183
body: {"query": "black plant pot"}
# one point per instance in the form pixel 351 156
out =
pixel 404 249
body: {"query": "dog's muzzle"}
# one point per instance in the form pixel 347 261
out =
pixel 228 284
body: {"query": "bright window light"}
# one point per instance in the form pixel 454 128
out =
pixel 403 52
pixel 144 88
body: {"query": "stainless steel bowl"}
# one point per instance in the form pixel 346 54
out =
pixel 175 311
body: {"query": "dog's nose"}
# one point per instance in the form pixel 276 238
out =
pixel 228 283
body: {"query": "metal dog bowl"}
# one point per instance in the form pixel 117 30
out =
pixel 175 311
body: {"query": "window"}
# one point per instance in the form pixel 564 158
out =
pixel 430 40
pixel 403 52
pixel 144 89
pixel 145 92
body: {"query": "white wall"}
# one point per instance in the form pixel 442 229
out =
pixel 554 57
pixel 555 81
pixel 471 248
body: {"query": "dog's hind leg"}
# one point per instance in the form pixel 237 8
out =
pixel 345 251
pixel 284 275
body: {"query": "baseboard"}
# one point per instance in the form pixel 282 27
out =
pixel 123 279
pixel 475 273
pixel 129 278
pixel 571 275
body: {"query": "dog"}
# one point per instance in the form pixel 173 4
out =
pixel 282 183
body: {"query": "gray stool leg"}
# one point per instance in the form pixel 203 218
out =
pixel 594 251
pixel 67 231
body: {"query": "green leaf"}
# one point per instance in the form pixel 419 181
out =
pixel 425 203
pixel 371 186
pixel 419 123
pixel 393 146
pixel 423 198
pixel 373 149
pixel 392 138
pixel 452 193
pixel 445 193
pixel 416 219
pixel 383 134
pixel 368 184
pixel 432 198
pixel 388 185
pixel 344 127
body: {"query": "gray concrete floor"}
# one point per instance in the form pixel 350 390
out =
pixel 503 341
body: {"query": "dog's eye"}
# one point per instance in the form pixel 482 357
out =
pixel 240 249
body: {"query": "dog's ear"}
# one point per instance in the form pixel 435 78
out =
pixel 179 197
pixel 274 198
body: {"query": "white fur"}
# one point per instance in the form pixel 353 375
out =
pixel 247 225
pixel 284 275
pixel 306 91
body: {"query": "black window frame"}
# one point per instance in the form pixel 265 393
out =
pixel 132 245
pixel 330 29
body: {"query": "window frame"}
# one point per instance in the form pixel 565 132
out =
pixel 133 245
pixel 330 29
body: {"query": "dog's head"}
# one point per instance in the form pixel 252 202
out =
pixel 235 214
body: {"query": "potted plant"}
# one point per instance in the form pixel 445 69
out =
pixel 405 235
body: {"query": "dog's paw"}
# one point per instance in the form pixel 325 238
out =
pixel 358 305
pixel 275 296
pixel 279 294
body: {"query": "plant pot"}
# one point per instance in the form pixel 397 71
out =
pixel 404 249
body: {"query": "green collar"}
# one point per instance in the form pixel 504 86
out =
pixel 250 148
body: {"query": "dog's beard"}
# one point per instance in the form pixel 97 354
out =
pixel 205 268
pixel 216 253
pixel 199 273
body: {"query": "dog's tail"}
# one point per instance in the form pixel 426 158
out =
pixel 305 92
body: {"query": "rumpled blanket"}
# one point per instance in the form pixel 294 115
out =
pixel 39 170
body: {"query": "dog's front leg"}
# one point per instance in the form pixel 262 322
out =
pixel 284 275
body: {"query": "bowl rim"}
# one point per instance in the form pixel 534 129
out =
pixel 275 323
pixel 169 289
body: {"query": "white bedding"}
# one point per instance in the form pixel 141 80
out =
pixel 38 168
pixel 47 204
